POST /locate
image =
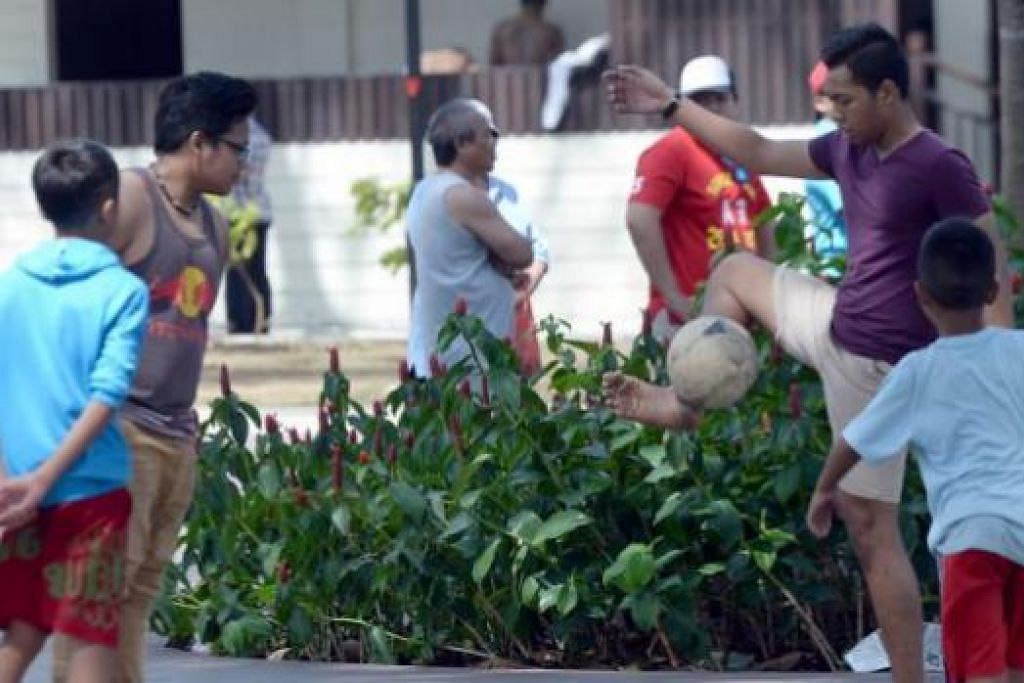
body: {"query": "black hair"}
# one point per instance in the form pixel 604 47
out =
pixel 71 181
pixel 872 55
pixel 207 102
pixel 956 264
pixel 450 126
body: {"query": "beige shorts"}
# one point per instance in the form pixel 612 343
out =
pixel 803 317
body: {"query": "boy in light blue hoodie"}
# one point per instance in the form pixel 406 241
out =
pixel 73 320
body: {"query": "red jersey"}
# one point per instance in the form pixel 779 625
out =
pixel 706 201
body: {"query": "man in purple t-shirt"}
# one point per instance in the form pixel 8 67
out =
pixel 897 179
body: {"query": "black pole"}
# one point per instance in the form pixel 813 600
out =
pixel 413 88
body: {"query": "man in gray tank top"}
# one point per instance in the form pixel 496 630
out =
pixel 169 236
pixel 462 246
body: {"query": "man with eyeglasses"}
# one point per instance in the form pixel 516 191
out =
pixel 171 237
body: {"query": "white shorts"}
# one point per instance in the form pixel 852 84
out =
pixel 803 318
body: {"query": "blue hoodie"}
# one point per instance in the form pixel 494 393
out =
pixel 71 324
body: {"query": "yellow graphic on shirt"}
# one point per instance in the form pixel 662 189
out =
pixel 736 228
pixel 191 292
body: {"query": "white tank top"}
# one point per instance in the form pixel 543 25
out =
pixel 451 262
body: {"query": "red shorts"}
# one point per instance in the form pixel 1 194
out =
pixel 982 614
pixel 64 571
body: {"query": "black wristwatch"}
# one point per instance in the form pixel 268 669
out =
pixel 669 109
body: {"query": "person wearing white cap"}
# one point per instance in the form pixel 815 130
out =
pixel 689 203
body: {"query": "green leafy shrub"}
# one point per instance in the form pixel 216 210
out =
pixel 467 516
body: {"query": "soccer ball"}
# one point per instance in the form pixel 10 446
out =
pixel 711 362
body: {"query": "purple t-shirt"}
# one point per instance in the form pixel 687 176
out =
pixel 889 203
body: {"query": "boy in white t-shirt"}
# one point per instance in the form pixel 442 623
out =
pixel 959 405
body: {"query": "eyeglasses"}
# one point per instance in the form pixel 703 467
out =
pixel 240 150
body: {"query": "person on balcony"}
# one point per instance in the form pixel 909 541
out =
pixel 527 38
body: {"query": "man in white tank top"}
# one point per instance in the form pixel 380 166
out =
pixel 461 246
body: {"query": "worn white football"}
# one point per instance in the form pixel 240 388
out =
pixel 712 362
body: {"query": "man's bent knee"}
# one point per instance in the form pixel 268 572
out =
pixel 873 525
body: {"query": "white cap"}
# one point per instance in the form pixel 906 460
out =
pixel 707 72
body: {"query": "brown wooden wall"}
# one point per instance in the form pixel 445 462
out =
pixel 771 44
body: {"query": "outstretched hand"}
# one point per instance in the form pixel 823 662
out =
pixel 634 399
pixel 635 90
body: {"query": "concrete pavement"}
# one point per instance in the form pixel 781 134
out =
pixel 173 666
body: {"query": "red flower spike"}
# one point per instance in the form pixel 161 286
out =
pixel 271 425
pixel 353 437
pixel 465 389
pixel 284 573
pixel 225 381
pixel 378 408
pixel 334 362
pixel 337 468
pixel 436 369
pixel 461 307
pixel 293 436
pixel 410 440
pixel 376 442
pixel 392 455
pixel 404 373
pixel 1015 283
pixel 606 336
pixel 796 401
pixel 308 438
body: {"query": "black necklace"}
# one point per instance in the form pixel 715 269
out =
pixel 185 211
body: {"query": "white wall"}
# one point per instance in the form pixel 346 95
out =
pixel 281 38
pixel 963 38
pixel 24 43
pixel 327 281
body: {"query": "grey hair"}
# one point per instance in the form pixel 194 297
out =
pixel 454 123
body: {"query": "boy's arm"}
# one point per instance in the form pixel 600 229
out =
pixel 840 460
pixel 20 497
pixel 633 89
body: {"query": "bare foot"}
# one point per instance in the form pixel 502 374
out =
pixel 649 404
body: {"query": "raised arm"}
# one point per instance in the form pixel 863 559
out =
pixel 472 208
pixel 635 90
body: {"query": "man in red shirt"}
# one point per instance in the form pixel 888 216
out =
pixel 690 203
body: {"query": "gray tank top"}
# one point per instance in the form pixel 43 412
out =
pixel 183 275
pixel 451 262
